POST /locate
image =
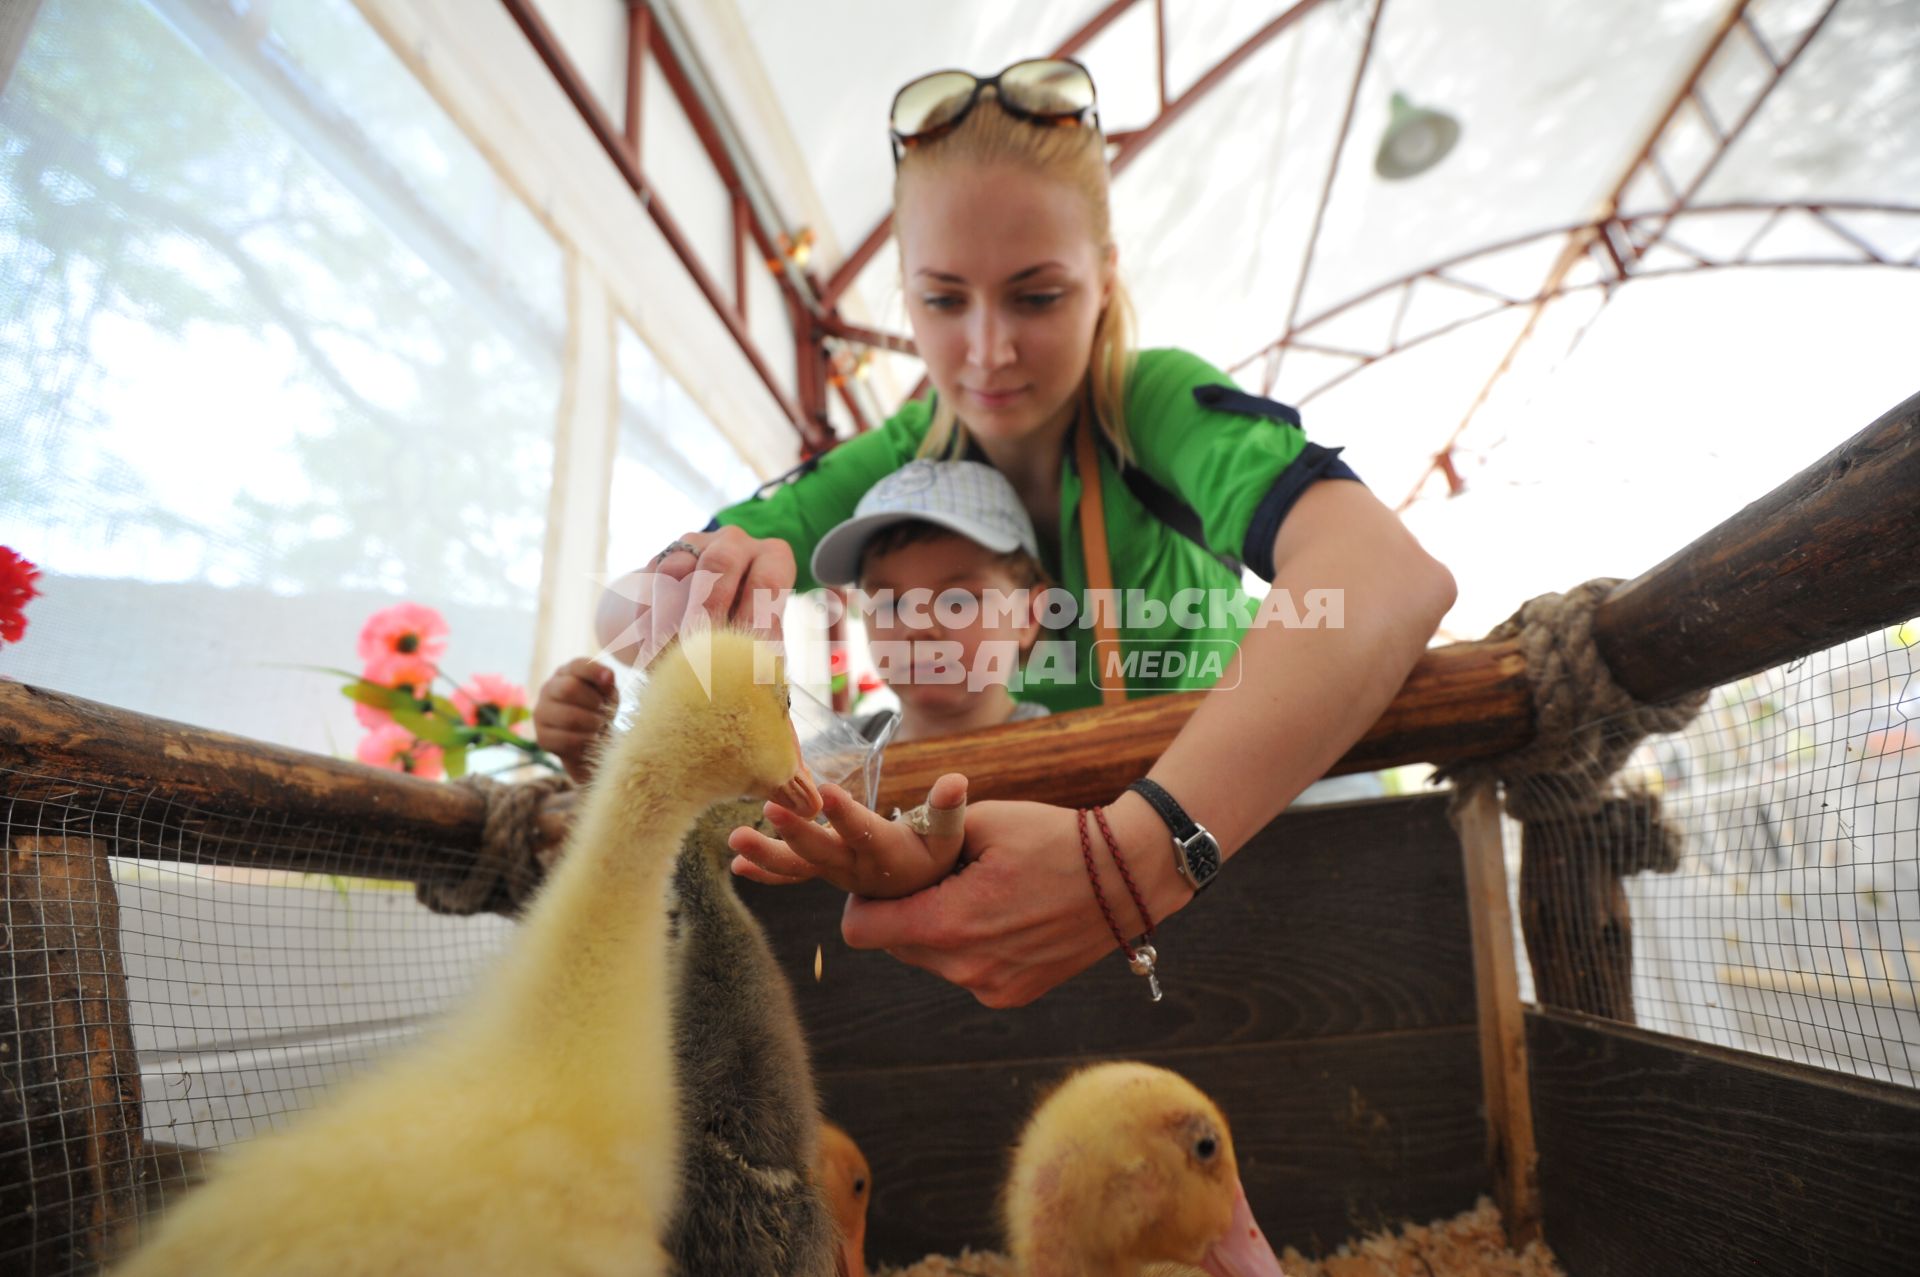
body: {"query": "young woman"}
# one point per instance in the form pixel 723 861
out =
pixel 1009 265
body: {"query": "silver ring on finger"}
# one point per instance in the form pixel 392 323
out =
pixel 675 548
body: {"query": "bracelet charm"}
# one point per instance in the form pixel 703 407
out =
pixel 1141 960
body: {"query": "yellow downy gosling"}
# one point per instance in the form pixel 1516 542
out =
pixel 1128 1169
pixel 535 1131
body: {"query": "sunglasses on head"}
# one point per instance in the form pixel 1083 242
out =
pixel 1049 92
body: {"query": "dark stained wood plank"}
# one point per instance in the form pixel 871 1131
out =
pixel 69 1084
pixel 1826 556
pixel 1659 1156
pixel 1347 919
pixel 1334 1137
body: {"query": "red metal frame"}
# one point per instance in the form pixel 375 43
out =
pixel 617 147
pixel 1333 172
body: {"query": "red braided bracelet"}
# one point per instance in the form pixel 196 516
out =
pixel 1142 959
pixel 1113 849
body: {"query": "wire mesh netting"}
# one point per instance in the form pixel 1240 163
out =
pixel 160 1004
pixel 1755 879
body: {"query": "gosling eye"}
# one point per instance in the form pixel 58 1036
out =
pixel 859 1187
pixel 1205 1147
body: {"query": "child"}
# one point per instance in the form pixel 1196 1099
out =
pixel 948 570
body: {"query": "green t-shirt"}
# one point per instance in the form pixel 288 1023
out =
pixel 1223 457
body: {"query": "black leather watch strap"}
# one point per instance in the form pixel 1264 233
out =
pixel 1196 853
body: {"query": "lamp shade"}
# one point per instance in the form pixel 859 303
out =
pixel 1416 139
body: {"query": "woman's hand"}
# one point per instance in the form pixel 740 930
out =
pixel 859 851
pixel 1020 916
pixel 728 575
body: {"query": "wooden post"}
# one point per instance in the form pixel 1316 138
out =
pixel 1573 902
pixel 71 1158
pixel 1578 925
pixel 1503 1046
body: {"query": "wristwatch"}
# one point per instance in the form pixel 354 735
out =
pixel 1196 852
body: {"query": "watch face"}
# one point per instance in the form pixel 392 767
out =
pixel 1202 856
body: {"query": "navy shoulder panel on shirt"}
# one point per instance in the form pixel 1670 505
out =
pixel 1232 399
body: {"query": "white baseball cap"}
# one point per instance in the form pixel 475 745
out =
pixel 966 497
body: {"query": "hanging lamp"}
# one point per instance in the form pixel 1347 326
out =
pixel 1417 138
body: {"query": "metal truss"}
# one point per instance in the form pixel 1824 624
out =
pixel 1617 248
pixel 1620 244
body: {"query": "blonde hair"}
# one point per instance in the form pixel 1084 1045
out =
pixel 1074 155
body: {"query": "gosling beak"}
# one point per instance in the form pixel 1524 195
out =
pixel 852 1262
pixel 797 793
pixel 1244 1251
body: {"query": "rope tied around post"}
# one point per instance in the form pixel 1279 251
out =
pixel 1585 724
pixel 508 867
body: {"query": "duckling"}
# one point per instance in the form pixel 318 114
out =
pixel 1128 1169
pixel 536 1130
pixel 749 1115
pixel 843 1172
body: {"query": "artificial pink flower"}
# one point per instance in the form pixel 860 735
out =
pixel 393 747
pixel 414 673
pixel 405 629
pixel 16 591
pixel 483 701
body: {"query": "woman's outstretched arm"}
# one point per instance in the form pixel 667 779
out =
pixel 1021 917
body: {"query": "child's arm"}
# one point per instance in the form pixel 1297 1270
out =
pixel 573 713
pixel 860 851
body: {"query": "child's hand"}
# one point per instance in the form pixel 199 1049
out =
pixel 861 852
pixel 575 710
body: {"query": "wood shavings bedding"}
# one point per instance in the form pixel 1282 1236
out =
pixel 1471 1244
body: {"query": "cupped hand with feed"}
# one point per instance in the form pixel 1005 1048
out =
pixel 858 850
pixel 1022 918
pixel 573 714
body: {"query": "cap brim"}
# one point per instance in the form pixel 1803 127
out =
pixel 836 560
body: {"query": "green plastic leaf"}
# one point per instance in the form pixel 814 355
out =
pixel 435 731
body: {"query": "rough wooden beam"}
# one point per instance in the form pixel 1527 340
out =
pixel 206 792
pixel 1466 700
pixel 1828 555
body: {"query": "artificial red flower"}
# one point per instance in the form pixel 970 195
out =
pixel 16 590
pixel 393 747
pixel 414 673
pixel 869 682
pixel 405 629
pixel 485 699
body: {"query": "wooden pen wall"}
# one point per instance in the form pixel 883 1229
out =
pixel 1321 991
